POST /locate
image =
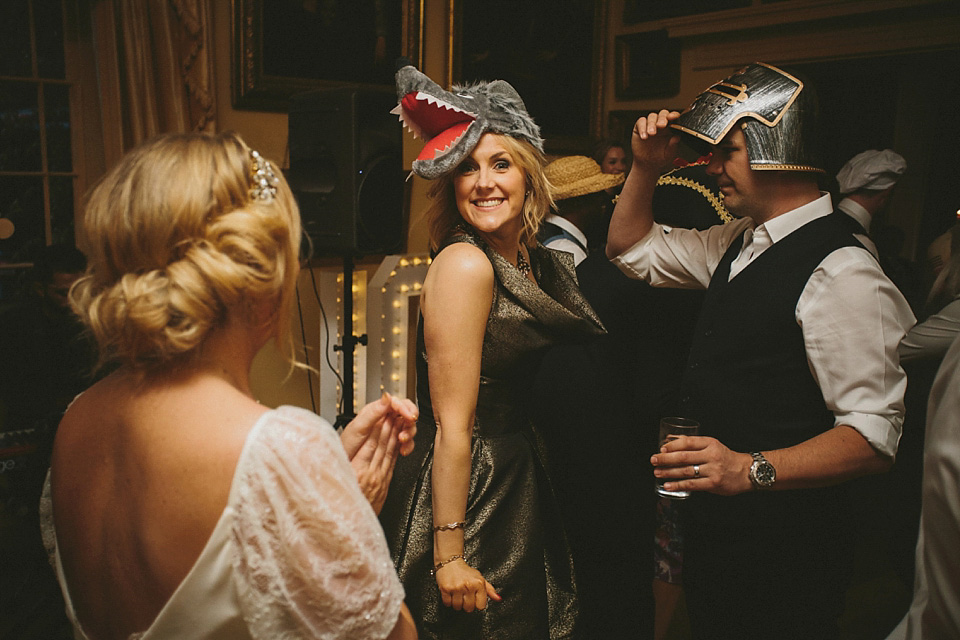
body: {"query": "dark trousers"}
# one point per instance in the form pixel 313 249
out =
pixel 741 605
pixel 775 577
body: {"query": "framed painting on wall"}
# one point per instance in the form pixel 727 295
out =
pixel 637 11
pixel 647 65
pixel 547 49
pixel 283 47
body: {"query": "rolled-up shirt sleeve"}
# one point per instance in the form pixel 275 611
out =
pixel 851 315
pixel 853 319
pixel 679 258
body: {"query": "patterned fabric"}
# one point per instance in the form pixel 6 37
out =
pixel 297 553
pixel 668 543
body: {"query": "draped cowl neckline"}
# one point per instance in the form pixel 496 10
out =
pixel 551 299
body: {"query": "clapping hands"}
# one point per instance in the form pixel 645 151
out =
pixel 381 431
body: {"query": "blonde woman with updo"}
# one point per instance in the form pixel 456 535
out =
pixel 177 506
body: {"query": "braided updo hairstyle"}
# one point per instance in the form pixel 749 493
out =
pixel 175 239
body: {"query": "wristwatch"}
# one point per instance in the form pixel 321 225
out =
pixel 762 474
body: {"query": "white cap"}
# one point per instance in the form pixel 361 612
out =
pixel 875 170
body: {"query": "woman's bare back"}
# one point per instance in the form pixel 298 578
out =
pixel 142 472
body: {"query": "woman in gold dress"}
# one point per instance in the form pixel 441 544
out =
pixel 471 517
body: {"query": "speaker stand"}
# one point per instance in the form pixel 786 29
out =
pixel 348 345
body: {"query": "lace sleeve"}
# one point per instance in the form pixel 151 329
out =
pixel 312 560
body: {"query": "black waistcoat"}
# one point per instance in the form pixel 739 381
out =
pixel 749 385
pixel 747 381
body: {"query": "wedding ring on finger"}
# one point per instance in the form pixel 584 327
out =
pixel 696 471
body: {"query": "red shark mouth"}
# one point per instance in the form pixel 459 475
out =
pixel 439 123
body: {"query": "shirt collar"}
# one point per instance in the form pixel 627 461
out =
pixel 567 226
pixel 856 211
pixel 783 225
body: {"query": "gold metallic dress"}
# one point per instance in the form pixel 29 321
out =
pixel 514 534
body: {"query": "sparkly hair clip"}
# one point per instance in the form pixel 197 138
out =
pixel 264 187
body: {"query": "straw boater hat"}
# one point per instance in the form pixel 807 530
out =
pixel 574 176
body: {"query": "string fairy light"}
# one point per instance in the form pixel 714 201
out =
pixel 392 289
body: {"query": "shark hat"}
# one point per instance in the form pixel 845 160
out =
pixel 451 122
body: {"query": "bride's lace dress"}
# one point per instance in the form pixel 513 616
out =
pixel 297 553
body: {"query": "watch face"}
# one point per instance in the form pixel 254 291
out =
pixel 764 474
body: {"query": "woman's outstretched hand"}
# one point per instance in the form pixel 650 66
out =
pixel 381 431
pixel 464 588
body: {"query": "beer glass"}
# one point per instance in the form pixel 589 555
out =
pixel 671 429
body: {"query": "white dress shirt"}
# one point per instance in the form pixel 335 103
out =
pixel 851 315
pixel 565 244
pixel 932 337
pixel 935 610
pixel 856 211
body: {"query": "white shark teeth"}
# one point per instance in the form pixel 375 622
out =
pixel 412 126
pixel 453 143
pixel 409 125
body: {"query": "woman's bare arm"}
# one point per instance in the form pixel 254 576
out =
pixel 405 629
pixel 457 296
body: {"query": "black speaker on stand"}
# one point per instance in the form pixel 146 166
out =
pixel 346 172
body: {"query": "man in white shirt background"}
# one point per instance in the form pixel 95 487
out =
pixel 866 183
pixel 935 610
pixel 793 373
pixel 580 193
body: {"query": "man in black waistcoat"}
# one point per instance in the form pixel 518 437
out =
pixel 598 403
pixel 793 372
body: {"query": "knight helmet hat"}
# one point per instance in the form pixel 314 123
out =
pixel 452 121
pixel 776 111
